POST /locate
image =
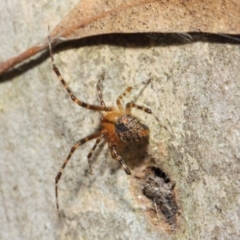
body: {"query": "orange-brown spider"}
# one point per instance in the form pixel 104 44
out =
pixel 117 125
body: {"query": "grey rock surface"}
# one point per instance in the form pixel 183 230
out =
pixel 195 91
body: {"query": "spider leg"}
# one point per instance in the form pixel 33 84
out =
pixel 99 91
pixel 128 90
pixel 99 139
pixel 74 147
pixel 119 158
pixel 130 105
pixel 73 97
pixel 120 107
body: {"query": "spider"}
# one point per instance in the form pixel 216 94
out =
pixel 117 125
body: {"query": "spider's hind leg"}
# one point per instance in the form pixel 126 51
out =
pixel 119 158
pixel 119 104
pixel 127 91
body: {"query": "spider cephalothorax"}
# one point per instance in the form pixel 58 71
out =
pixel 117 125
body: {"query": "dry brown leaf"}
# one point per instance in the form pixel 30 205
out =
pixel 93 17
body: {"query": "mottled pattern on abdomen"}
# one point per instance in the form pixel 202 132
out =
pixel 129 129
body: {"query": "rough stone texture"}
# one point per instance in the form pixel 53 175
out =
pixel 195 91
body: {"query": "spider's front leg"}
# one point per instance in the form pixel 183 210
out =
pixel 119 158
pixel 99 137
pixel 70 93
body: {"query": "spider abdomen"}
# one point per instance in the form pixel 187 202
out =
pixel 129 129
